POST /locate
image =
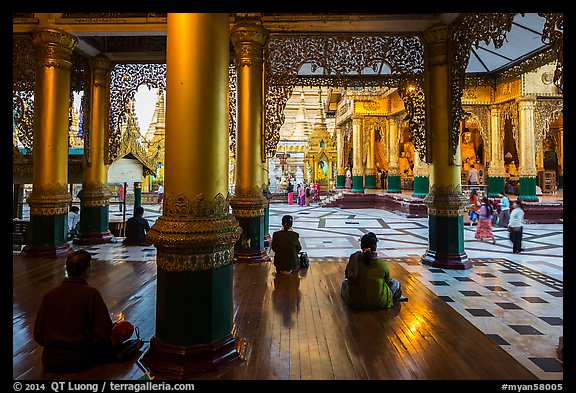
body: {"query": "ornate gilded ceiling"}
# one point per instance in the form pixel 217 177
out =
pixel 337 49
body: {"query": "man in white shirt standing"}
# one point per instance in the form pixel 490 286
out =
pixel 473 175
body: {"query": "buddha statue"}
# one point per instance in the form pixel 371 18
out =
pixel 404 166
pixel 467 149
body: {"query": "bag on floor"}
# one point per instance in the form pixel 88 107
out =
pixel 304 262
pixel 129 348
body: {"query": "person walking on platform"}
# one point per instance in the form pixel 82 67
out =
pixel 121 195
pixel 301 195
pixel 504 215
pixel 516 226
pixel 290 192
pixel 484 228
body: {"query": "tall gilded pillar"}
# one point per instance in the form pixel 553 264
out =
pixel 527 149
pixel 358 169
pixel 496 171
pixel 267 195
pixel 445 200
pixel 561 157
pixel 95 195
pixel 370 171
pixel 421 181
pixel 340 171
pixel 330 172
pixel 393 169
pixel 248 203
pixel 50 198
pixel 195 235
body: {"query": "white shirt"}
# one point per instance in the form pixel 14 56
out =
pixel 161 190
pixel 73 220
pixel 473 175
pixel 516 218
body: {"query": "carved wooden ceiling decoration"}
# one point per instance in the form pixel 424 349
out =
pixel 351 59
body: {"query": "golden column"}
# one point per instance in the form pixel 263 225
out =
pixel 496 172
pixel 527 149
pixel 445 200
pixel 248 203
pixel 561 155
pixel 195 236
pixel 95 195
pixel 370 171
pixel 393 142
pixel 358 170
pixel 340 171
pixel 50 198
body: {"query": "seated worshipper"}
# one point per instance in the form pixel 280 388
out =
pixel 73 218
pixel 136 228
pixel 286 246
pixel 73 323
pixel 368 283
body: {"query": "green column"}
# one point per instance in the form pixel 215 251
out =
pixel 370 181
pixel 495 186
pixel 421 185
pixel 394 183
pixel 527 189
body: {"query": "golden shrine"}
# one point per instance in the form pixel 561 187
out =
pixel 320 153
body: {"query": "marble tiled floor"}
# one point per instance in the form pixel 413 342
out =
pixel 515 299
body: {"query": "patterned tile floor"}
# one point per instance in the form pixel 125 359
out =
pixel 515 299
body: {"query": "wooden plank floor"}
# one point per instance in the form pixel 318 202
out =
pixel 294 327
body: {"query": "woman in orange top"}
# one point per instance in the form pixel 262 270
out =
pixel 474 206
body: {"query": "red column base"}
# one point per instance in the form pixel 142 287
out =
pixel 177 362
pixel 251 256
pixel 46 252
pixel 446 261
pixel 94 238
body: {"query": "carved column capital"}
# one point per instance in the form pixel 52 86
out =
pixel 436 39
pixel 49 200
pixel 249 37
pixel 248 202
pixel 54 47
pixel 101 67
pixel 446 201
pixel 94 194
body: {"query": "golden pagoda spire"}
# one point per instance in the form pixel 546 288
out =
pixel 302 124
pixel 320 121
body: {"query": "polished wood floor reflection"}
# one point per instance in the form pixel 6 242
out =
pixel 291 327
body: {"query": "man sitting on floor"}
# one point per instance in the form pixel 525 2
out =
pixel 136 228
pixel 73 323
